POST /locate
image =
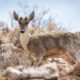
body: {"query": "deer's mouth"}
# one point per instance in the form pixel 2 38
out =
pixel 22 31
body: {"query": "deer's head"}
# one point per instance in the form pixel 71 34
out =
pixel 23 22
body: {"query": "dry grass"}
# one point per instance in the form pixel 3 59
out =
pixel 12 53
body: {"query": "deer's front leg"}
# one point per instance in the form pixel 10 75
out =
pixel 28 56
pixel 38 60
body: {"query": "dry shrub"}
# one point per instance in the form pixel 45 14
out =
pixel 53 27
pixel 11 56
pixel 12 53
pixel 35 31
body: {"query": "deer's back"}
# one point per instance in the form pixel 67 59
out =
pixel 67 41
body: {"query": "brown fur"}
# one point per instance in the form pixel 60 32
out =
pixel 69 42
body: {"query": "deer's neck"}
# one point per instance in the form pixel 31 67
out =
pixel 24 39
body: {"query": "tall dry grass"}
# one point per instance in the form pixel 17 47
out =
pixel 11 51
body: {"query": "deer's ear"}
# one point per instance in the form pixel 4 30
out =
pixel 31 16
pixel 25 19
pixel 16 16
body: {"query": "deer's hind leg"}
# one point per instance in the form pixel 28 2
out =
pixel 39 58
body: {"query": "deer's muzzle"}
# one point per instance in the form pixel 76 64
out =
pixel 22 31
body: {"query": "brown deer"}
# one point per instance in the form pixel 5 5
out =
pixel 41 44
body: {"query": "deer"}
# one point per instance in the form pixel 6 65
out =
pixel 41 44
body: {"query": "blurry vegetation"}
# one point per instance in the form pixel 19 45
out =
pixel 3 25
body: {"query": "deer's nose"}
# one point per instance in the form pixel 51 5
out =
pixel 22 31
